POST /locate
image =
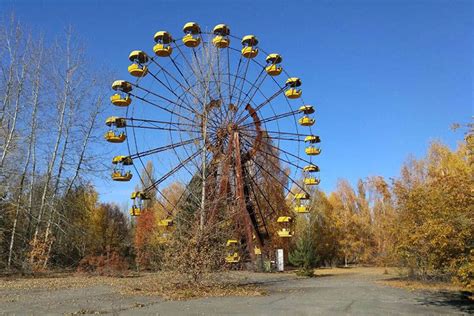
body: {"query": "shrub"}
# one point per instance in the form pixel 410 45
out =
pixel 303 256
pixel 110 264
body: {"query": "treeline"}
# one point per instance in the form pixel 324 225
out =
pixel 422 220
pixel 51 99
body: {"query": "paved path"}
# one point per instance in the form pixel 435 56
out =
pixel 353 294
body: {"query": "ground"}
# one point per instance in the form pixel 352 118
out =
pixel 362 291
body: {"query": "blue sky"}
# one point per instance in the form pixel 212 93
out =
pixel 386 77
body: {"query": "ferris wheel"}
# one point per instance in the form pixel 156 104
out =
pixel 230 118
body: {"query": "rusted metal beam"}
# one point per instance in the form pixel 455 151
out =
pixel 241 201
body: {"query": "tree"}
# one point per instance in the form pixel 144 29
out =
pixel 434 205
pixel 49 110
pixel 303 254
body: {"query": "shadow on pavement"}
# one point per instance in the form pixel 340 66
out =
pixel 458 300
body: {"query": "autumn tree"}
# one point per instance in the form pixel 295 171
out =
pixel 435 216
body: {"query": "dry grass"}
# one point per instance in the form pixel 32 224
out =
pixel 356 270
pixel 394 277
pixel 145 284
pixel 414 285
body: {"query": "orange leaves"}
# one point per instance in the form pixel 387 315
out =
pixel 145 227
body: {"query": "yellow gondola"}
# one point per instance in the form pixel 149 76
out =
pixel 273 58
pixel 311 181
pixel 313 139
pixel 118 122
pixel 301 209
pixel 139 195
pixel 191 37
pixel 232 255
pixel 122 85
pixel 306 121
pixel 163 47
pixel 312 151
pixel 293 82
pixel 249 50
pixel 311 168
pixel 293 93
pixel 165 222
pixel 272 68
pixel 221 29
pixel 302 196
pixel 306 109
pixel 137 71
pixel 118 175
pixel 123 160
pixel 138 58
pixel 232 258
pixel 135 211
pixel 120 100
pixel 285 231
pixel 113 137
pixel 221 38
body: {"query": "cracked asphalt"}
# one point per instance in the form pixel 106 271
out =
pixel 348 294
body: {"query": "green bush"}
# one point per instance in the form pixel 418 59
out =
pixel 303 256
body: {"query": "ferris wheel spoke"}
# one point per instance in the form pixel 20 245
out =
pixel 262 104
pixel 283 133
pixel 212 73
pixel 161 97
pixel 284 138
pixel 190 65
pixel 205 47
pixel 172 171
pixel 219 81
pixel 286 152
pixel 235 79
pixel 175 124
pixel 270 174
pixel 262 194
pixel 164 128
pixel 277 167
pixel 255 87
pixel 189 88
pixel 262 217
pixel 206 88
pixel 161 107
pixel 179 71
pixel 163 148
pixel 168 87
pixel 282 159
pixel 198 65
pixel 157 189
pixel 243 79
pixel 274 118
